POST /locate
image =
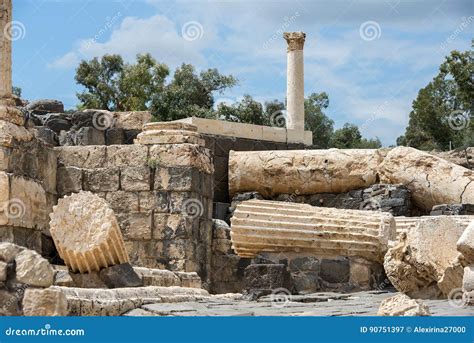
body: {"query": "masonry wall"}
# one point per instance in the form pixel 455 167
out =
pixel 27 189
pixel 161 194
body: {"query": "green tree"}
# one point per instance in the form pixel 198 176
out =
pixel 442 111
pixel 114 85
pixel 316 121
pixel 16 91
pixel 349 137
pixel 245 111
pixel 190 94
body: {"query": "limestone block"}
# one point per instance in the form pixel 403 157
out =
pixel 156 201
pixel 158 277
pixel 465 244
pixel 405 224
pixel 8 251
pixel 87 157
pixel 273 226
pixel 44 302
pixel 4 197
pixel 132 120
pixel 86 233
pixel 425 262
pixel 10 134
pixel 432 180
pixel 27 206
pixel 136 225
pixel 69 180
pixel 63 278
pixel 115 302
pixel 101 179
pixel 11 114
pixel 468 279
pixel 182 155
pixel 402 305
pixel 3 271
pixel 169 133
pixel 122 201
pixel 302 171
pixel 127 155
pixel 32 269
pixel 135 178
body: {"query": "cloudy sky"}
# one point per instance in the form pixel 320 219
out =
pixel 370 56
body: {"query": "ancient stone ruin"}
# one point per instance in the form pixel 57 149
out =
pixel 112 214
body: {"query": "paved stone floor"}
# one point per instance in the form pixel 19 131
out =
pixel 317 304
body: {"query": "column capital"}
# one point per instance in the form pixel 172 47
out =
pixel 295 40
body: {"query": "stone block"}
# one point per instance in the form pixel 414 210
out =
pixel 89 136
pixel 120 275
pixel 33 270
pixel 133 120
pixel 3 271
pixel 127 155
pixel 171 226
pixel 465 244
pixel 136 225
pixel 101 180
pixel 304 264
pixel 27 206
pixel 156 201
pixel 10 303
pixel 135 178
pixel 191 280
pixel 5 155
pixel 177 179
pixel 305 282
pixel 360 274
pixel 402 305
pixel 69 180
pixel 122 201
pixel 88 280
pixel 87 157
pixel 63 278
pixel 266 276
pixel 468 279
pixel 181 155
pixel 114 136
pixel 44 302
pixel 335 271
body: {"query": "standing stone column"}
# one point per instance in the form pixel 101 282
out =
pixel 295 80
pixel 8 111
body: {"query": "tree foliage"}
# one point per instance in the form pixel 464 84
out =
pixel 349 137
pixel 442 111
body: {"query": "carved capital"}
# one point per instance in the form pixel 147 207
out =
pixel 295 40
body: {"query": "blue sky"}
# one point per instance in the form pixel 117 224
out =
pixel 371 57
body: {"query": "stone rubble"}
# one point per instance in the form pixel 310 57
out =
pixel 402 305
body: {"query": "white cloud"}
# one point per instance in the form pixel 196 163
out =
pixel 69 60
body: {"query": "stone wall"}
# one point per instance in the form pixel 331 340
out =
pixel 27 189
pixel 161 195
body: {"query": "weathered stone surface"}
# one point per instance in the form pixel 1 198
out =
pixel 463 157
pixel 431 180
pixel 3 271
pixel 468 279
pixel 69 180
pixel 181 155
pixel 32 269
pixel 101 180
pixel 405 224
pixel 44 302
pixel 127 155
pixel 452 209
pixel 169 133
pixel 135 178
pixel 10 304
pixel 87 280
pixel 266 277
pixel 158 277
pixel 44 106
pixel 8 251
pixel 86 233
pixel 10 134
pixel 425 262
pixel 114 302
pixel 88 157
pixel 402 305
pixel 63 278
pixel 120 275
pixel 302 172
pixel 465 244
pixel 273 226
pixel 132 120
